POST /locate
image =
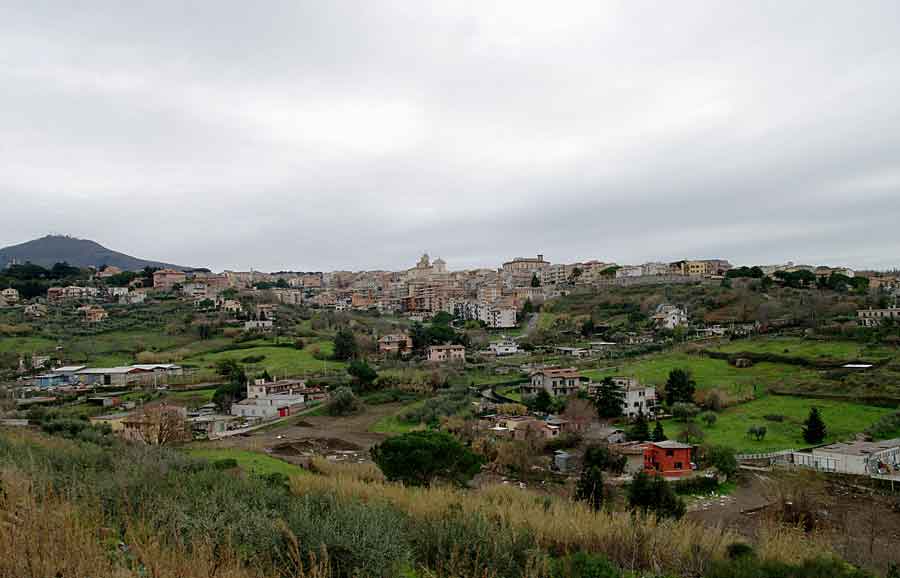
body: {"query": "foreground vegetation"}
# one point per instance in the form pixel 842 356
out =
pixel 178 515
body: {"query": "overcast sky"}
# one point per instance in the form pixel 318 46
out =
pixel 348 135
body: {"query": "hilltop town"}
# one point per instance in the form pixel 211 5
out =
pixel 554 378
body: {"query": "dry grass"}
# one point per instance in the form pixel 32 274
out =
pixel 366 472
pixel 560 526
pixel 48 536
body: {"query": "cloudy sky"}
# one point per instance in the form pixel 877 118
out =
pixel 323 135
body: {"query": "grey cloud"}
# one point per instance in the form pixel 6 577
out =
pixel 317 135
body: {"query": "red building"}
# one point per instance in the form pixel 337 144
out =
pixel 668 459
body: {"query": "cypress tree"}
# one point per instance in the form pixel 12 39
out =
pixel 814 430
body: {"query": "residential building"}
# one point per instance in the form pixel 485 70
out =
pixel 160 424
pixel 35 310
pixel 874 317
pixel 93 313
pixel 446 353
pixel 527 264
pixel 395 344
pixel 669 459
pixel 166 279
pixel 639 399
pixel 505 347
pixel 10 295
pixel 262 388
pixel 670 317
pixel 271 400
pixel 115 421
pixel 264 325
pixel 554 380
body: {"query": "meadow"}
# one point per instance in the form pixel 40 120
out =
pixel 712 373
pixel 278 361
pixel 842 419
pixel 392 424
pixel 249 461
pixel 809 348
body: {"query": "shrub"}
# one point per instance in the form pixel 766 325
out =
pixel 697 485
pixel 419 458
pixel 584 565
pixel 343 402
pixel 774 417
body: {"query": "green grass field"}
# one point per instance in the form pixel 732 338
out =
pixel 809 349
pixel 391 424
pixel 510 391
pixel 278 361
pixel 26 345
pixel 712 373
pixel 842 419
pixel 253 462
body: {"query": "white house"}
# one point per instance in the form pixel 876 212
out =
pixel 505 347
pixel 670 317
pixel 258 325
pixel 271 399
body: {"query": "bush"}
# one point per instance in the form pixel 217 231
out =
pixel 774 417
pixel 225 464
pixel 739 550
pixel 419 458
pixel 584 565
pixel 697 485
pixel 563 442
pixel 343 402
pixel 253 358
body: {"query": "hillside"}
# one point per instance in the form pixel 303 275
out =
pixel 77 252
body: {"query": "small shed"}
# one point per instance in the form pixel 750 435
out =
pixel 562 460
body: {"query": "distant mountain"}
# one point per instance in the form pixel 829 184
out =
pixel 77 252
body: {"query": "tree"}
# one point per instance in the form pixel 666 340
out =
pixel 160 425
pixel 343 402
pixel 610 399
pixel 709 418
pixel 680 387
pixel 345 346
pixel 603 457
pixel 590 487
pixel 658 435
pixel 542 402
pixel 814 430
pixel 654 495
pixel 420 458
pixel 640 430
pixel 691 434
pixel 579 412
pixel 362 372
pixel 535 280
pixel 722 458
pixel 588 327
pixel 685 411
pixel 757 431
pixel 232 391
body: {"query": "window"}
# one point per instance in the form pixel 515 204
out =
pixel 678 465
pixel 670 453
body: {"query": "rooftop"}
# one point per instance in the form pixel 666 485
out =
pixel 671 445
pixel 860 448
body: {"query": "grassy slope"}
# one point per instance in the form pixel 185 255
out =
pixel 797 347
pixel 842 419
pixel 391 424
pixel 278 360
pixel 253 462
pixel 711 373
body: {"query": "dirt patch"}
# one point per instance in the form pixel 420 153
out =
pixel 315 445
